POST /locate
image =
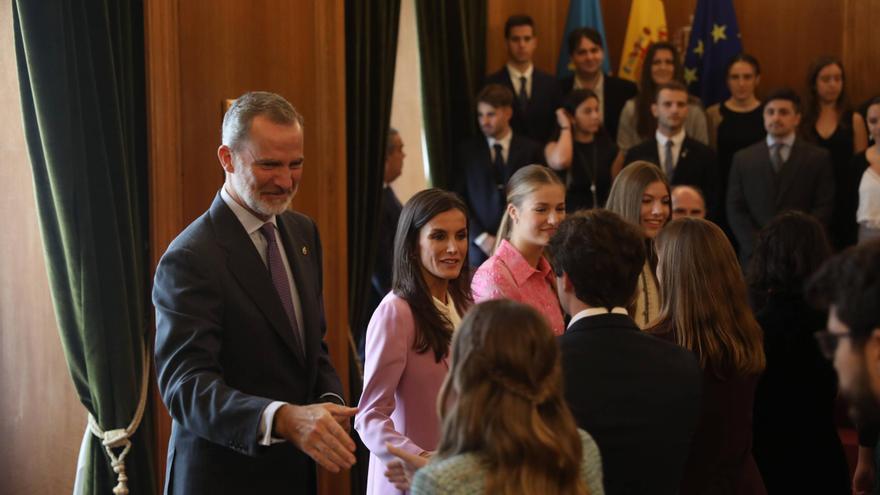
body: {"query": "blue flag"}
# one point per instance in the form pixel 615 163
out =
pixel 714 41
pixel 581 13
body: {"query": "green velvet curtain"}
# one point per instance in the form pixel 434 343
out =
pixel 371 28
pixel 452 48
pixel 81 72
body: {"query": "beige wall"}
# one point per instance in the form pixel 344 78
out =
pixel 406 105
pixel 42 419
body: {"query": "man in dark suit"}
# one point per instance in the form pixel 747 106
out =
pixel 782 173
pixel 389 215
pixel 240 357
pixel 488 162
pixel 587 56
pixel 685 160
pixel 537 93
pixel 637 395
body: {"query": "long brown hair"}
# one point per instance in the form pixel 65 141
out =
pixel 813 106
pixel 506 403
pixel 523 182
pixel 704 299
pixel 625 197
pixel 646 123
pixel 433 328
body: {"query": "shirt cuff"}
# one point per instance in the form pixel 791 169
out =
pixel 266 438
pixel 479 240
pixel 333 398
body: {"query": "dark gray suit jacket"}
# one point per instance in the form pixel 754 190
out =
pixel 225 350
pixel 755 194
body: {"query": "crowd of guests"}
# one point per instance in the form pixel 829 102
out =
pixel 664 245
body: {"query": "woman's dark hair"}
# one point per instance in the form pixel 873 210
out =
pixel 433 328
pixel 813 106
pixel 646 123
pixel 746 58
pixel 574 99
pixel 789 249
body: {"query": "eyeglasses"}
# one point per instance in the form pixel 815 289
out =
pixel 829 341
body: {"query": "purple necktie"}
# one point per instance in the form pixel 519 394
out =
pixel 279 278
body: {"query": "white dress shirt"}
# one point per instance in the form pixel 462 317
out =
pixel 505 145
pixel 586 313
pixel 785 152
pixel 515 76
pixel 677 141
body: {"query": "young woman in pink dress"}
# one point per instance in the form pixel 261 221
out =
pixel 517 269
pixel 408 338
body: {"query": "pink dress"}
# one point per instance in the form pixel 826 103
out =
pixel 506 274
pixel 399 401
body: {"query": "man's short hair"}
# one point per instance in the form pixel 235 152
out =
pixel 602 254
pixel 850 281
pixel 238 118
pixel 518 20
pixel 692 188
pixel 574 38
pixel 496 96
pixel 786 94
pixel 672 85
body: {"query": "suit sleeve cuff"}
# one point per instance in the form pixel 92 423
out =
pixel 268 419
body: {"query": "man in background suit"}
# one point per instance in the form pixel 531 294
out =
pixel 587 56
pixel 637 395
pixel 537 93
pixel 685 160
pixel 488 161
pixel 240 357
pixel 389 215
pixel 781 173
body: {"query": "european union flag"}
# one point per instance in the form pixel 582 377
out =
pixel 581 13
pixel 714 41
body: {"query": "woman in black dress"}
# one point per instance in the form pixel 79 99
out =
pixel 829 122
pixel 583 152
pixel 737 122
pixel 795 443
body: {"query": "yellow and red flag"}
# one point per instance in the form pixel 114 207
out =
pixel 647 24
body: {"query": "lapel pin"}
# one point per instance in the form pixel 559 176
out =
pixel 305 251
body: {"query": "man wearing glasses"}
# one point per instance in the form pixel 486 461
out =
pixel 849 284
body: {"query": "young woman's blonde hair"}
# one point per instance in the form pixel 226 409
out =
pixel 523 182
pixel 504 393
pixel 704 298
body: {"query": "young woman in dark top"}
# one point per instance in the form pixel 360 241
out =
pixel 829 122
pixel 704 308
pixel 583 152
pixel 794 427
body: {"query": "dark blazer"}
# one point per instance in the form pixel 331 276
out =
pixel 383 266
pixel 697 166
pixel 615 92
pixel 225 350
pixel 539 120
pixel 755 194
pixel 477 187
pixel 794 426
pixel 637 395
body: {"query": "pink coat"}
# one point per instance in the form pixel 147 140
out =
pixel 399 401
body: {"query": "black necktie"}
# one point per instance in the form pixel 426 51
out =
pixel 523 96
pixel 498 167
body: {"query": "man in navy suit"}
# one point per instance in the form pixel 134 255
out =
pixel 537 93
pixel 637 395
pixel 240 357
pixel 587 56
pixel 784 172
pixel 686 161
pixel 487 162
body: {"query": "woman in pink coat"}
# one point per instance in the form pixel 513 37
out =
pixel 410 332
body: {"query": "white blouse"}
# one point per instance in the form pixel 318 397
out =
pixel 868 213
